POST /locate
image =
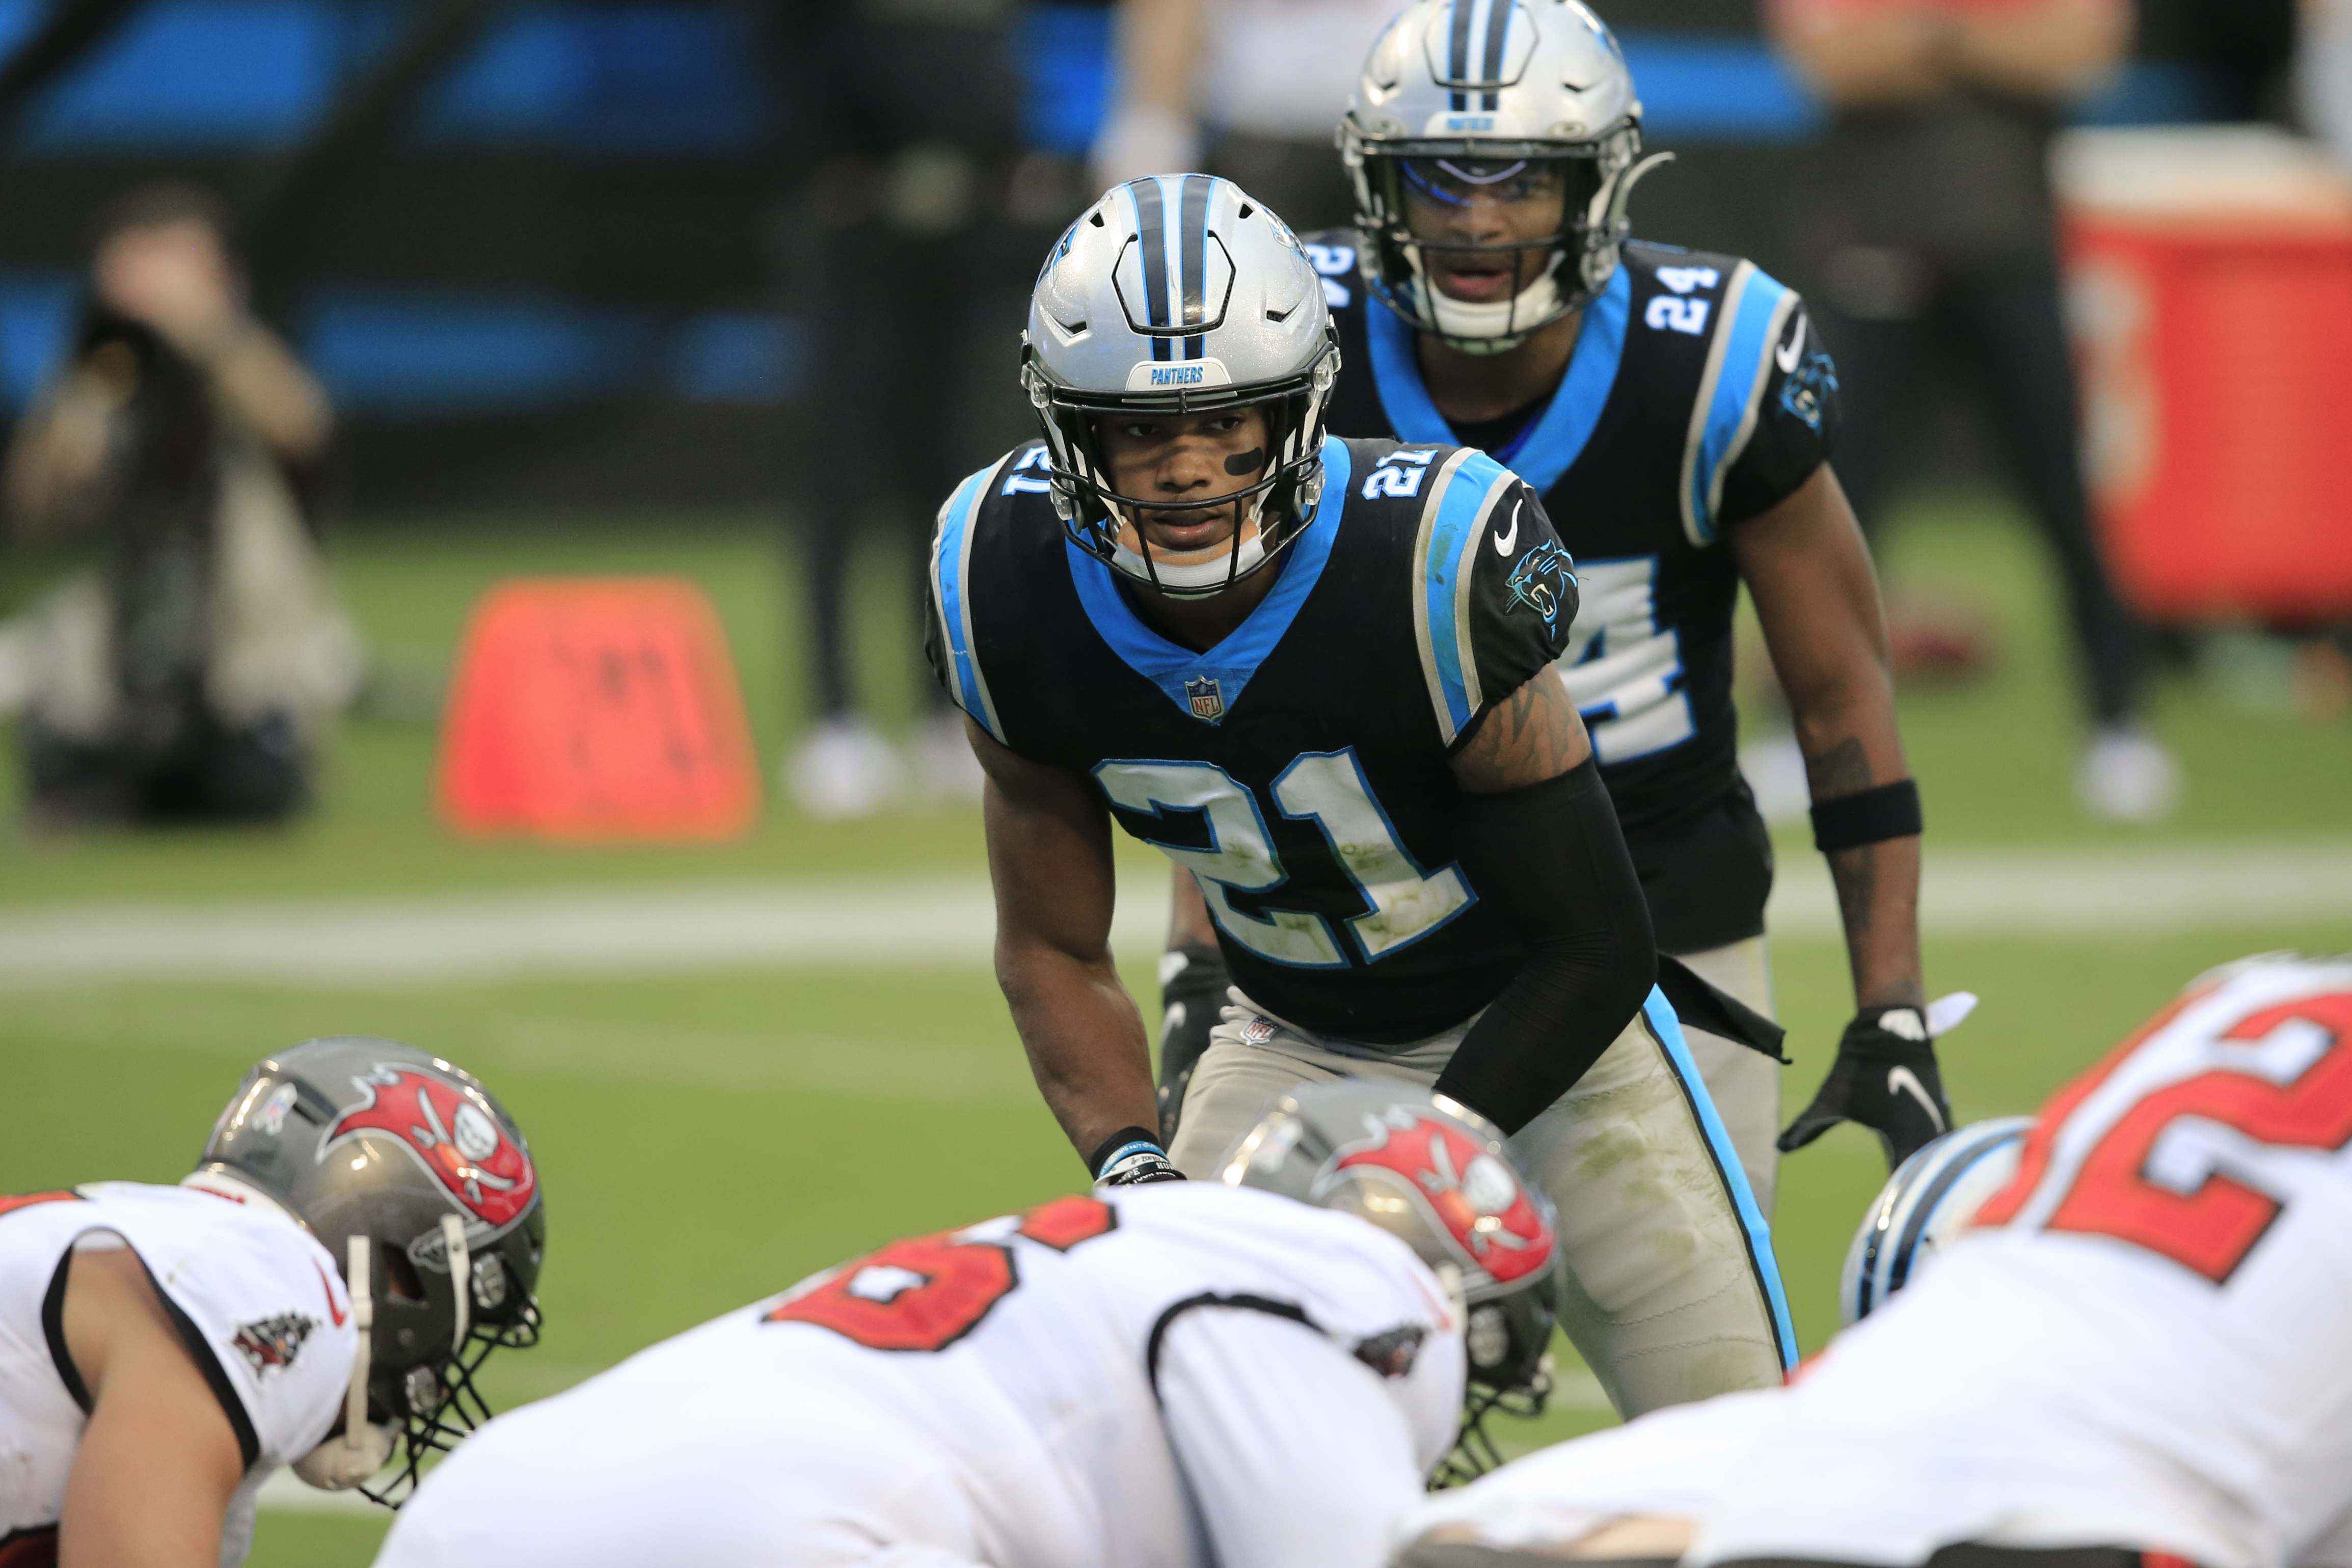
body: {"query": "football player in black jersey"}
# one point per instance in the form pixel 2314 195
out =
pixel 1317 673
pixel 1675 410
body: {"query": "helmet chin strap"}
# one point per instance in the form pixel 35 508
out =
pixel 1489 329
pixel 461 1278
pixel 341 1463
pixel 1199 579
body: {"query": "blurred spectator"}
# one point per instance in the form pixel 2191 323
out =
pixel 911 244
pixel 1935 233
pixel 182 677
pixel 1260 82
pixel 2323 70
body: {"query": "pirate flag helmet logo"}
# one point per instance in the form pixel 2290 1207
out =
pixel 420 1186
pixel 1436 1175
pixel 451 1129
pixel 1478 1202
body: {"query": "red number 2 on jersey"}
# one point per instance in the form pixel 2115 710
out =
pixel 926 1293
pixel 2211 1229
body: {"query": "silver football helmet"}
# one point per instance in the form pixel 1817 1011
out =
pixel 1436 1173
pixel 1179 294
pixel 1923 1208
pixel 1460 97
pixel 420 1185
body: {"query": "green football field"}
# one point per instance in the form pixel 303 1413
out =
pixel 706 1135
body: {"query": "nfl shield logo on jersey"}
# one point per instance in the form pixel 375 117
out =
pixel 1207 702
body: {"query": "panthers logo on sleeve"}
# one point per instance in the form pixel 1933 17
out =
pixel 1544 581
pixel 449 1133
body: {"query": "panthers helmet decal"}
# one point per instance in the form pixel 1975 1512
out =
pixel 1179 294
pixel 1924 1208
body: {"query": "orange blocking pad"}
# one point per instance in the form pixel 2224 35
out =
pixel 597 708
pixel 2211 284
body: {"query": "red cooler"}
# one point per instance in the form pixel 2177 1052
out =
pixel 2209 286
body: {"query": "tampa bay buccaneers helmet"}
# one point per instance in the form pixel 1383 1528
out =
pixel 420 1185
pixel 1464 97
pixel 1924 1206
pixel 1177 294
pixel 1436 1173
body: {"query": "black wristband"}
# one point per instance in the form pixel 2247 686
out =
pixel 1866 816
pixel 1118 1141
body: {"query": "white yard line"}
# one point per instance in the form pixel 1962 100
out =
pixel 884 923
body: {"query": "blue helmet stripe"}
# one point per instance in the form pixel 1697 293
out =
pixel 1151 226
pixel 1498 27
pixel 1193 225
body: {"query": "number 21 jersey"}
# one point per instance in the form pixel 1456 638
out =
pixel 1300 767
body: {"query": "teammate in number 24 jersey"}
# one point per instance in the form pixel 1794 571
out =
pixel 1675 411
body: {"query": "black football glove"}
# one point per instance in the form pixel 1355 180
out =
pixel 1884 1077
pixel 1192 983
pixel 1130 1158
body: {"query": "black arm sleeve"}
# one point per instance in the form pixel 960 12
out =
pixel 1551 861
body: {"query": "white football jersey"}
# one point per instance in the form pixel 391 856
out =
pixel 1164 1376
pixel 261 1304
pixel 2147 1341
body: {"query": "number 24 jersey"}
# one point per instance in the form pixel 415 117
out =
pixel 1300 767
pixel 1696 398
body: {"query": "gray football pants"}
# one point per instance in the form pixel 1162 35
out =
pixel 1745 1084
pixel 1671 1291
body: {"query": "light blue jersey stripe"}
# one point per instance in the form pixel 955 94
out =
pixel 1232 663
pixel 1552 443
pixel 951 558
pixel 1669 1031
pixel 1739 374
pixel 1454 516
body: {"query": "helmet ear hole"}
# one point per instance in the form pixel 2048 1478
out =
pixel 401 1281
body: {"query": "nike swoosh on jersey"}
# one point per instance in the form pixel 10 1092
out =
pixel 1506 543
pixel 1786 356
pixel 329 1286
pixel 1903 1080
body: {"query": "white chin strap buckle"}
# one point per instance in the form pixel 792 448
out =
pixel 461 1279
pixel 341 1463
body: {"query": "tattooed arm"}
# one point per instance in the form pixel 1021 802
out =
pixel 1533 734
pixel 1817 598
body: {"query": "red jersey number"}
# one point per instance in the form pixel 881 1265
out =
pixel 2212 1228
pixel 927 1293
